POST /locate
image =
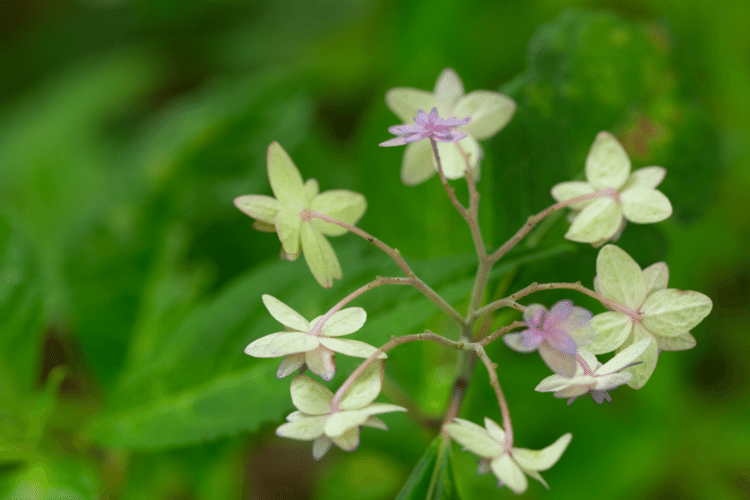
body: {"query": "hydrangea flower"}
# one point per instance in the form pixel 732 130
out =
pixel 489 113
pixel 426 126
pixel 300 345
pixel 556 334
pixel 316 420
pixel 593 377
pixel 645 308
pixel 608 167
pixel 511 466
pixel 284 214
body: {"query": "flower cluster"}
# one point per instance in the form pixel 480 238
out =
pixel 510 465
pixel 643 316
pixel 315 418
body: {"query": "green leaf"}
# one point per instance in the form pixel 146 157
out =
pixel 432 478
pixel 228 404
pixel 63 479
pixel 589 72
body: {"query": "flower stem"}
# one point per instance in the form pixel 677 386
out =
pixel 495 383
pixel 395 341
pixel 379 281
pixel 535 287
pixel 417 283
pixel 533 220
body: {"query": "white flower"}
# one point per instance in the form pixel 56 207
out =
pixel 300 345
pixel 608 167
pixel 593 377
pixel 489 112
pixel 315 420
pixel 645 307
pixel 509 465
pixel 283 214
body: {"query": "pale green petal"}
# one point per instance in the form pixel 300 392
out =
pixel 642 372
pixel 295 415
pixel 515 342
pixel 673 312
pixel 475 439
pixel 509 473
pixel 258 206
pixel 346 206
pixel 321 447
pixel 319 255
pixel 612 381
pixel 612 328
pixel 311 188
pixel 304 429
pixel 322 362
pixel 599 220
pixel 565 191
pixel 678 343
pixel 405 102
pixel 349 440
pixel 309 396
pixel 285 179
pixel 534 474
pixel 290 364
pixel 648 177
pixel 344 322
pixel 577 389
pixel 494 430
pixel 553 383
pixel 453 157
pixel 589 359
pixel 620 277
pixel 607 164
pixel 376 423
pixel 364 389
pixel 644 205
pixel 378 408
pixel 558 362
pixel 349 347
pixel 489 112
pixel 417 165
pixel 285 314
pixel 625 357
pixel 342 421
pixel 448 89
pixel 656 277
pixel 264 226
pixel 288 223
pixel 542 459
pixel 281 344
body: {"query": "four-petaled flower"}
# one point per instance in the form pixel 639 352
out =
pixel 442 130
pixel 316 420
pixel 642 306
pixel 303 344
pixel 633 197
pixel 489 112
pixel 285 214
pixel 593 377
pixel 556 333
pixel 509 465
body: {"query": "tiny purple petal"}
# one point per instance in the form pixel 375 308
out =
pixel 422 119
pixel 404 129
pixel 561 341
pixel 559 313
pixel 531 338
pixel 454 122
pixel 396 141
pixel 434 116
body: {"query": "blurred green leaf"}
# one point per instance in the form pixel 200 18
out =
pixel 587 72
pixel 432 478
pixel 22 310
pixel 59 479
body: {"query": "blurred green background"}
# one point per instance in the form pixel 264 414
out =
pixel 129 283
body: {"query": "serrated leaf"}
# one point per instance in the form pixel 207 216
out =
pixel 227 405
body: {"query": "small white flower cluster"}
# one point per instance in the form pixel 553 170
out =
pixel 644 317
